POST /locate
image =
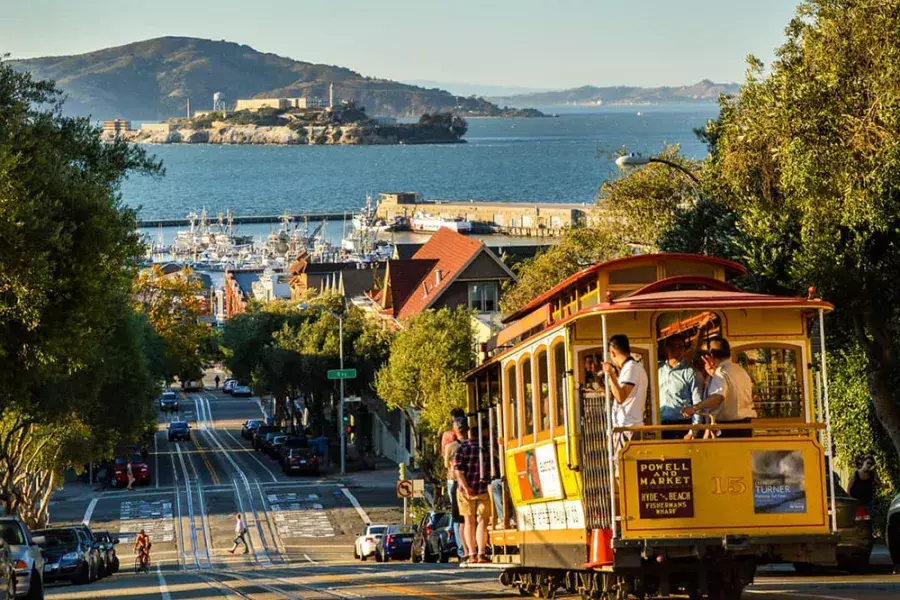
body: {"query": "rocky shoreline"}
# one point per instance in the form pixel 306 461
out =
pixel 347 135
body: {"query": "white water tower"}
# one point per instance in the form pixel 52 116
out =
pixel 219 102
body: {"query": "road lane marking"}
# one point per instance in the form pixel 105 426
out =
pixel 240 445
pixel 199 489
pixel 306 556
pixel 163 588
pixel 156 458
pixel 190 503
pixel 89 511
pixel 356 505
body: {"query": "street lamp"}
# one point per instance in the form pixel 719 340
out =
pixel 340 420
pixel 636 160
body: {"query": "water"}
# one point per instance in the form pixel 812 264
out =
pixel 538 160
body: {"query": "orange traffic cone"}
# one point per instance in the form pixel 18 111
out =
pixel 601 549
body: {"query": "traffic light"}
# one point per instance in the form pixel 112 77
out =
pixel 403 471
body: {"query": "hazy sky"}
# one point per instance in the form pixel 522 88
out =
pixel 532 43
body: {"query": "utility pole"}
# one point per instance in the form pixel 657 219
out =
pixel 343 432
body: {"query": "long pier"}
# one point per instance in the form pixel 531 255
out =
pixel 241 219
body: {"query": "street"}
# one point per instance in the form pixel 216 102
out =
pixel 301 529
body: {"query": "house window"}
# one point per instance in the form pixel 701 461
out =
pixel 483 296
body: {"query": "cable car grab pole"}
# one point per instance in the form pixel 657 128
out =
pixel 610 447
pixel 828 450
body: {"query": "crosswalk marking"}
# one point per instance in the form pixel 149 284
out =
pixel 300 515
pixel 153 516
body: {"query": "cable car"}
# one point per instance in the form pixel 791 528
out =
pixel 686 507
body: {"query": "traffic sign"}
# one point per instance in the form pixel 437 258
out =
pixel 405 489
pixel 342 374
pixel 350 399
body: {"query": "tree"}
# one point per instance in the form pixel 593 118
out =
pixel 67 259
pixel 579 248
pixel 173 305
pixel 423 375
pixel 808 157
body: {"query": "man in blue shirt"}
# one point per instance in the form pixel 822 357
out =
pixel 679 386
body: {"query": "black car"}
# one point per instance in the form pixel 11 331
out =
pixel 273 444
pixel 435 540
pixel 259 437
pixel 168 402
pixel 249 428
pixel 179 430
pixel 69 555
pixel 854 535
pixel 892 530
pixel 300 460
pixel 292 442
pixel 107 545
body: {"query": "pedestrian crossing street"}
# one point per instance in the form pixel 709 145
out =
pixel 300 515
pixel 153 516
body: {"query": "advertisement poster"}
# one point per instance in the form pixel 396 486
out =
pixel 665 488
pixel 538 473
pixel 778 483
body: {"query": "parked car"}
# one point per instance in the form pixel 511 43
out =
pixel 179 430
pixel 107 544
pixel 395 543
pixel 7 573
pixel 364 546
pixel 139 469
pixel 855 541
pixel 300 460
pixel 249 428
pixel 28 561
pixel 87 534
pixel 259 436
pixel 228 386
pixel 69 555
pixel 273 444
pixel 434 540
pixel 168 401
pixel 291 443
pixel 892 530
pixel 242 391
pixel 191 385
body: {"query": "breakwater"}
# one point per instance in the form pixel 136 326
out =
pixel 244 219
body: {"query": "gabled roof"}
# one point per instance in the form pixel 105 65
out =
pixel 401 281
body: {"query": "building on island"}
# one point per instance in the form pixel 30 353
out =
pixel 116 127
pixel 164 128
pixel 255 104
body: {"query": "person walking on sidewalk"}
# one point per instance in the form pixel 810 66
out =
pixel 130 473
pixel 240 533
pixel 217 380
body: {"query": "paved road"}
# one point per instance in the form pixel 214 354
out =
pixel 301 529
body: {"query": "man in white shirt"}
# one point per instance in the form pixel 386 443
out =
pixel 628 383
pixel 730 390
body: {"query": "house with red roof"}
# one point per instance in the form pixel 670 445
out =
pixel 449 270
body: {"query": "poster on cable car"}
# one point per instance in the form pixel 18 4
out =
pixel 538 473
pixel 778 482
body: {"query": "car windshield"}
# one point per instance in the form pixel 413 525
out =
pixel 178 425
pixel 11 533
pixel 169 396
pixel 278 439
pixel 299 452
pixel 137 458
pixel 296 443
pixel 101 536
pixel 58 537
pixel 403 529
pixel 377 530
pixel 254 423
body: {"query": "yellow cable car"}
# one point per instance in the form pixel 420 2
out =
pixel 612 509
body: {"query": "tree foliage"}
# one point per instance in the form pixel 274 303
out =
pixel 72 350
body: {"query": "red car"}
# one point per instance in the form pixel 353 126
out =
pixel 139 470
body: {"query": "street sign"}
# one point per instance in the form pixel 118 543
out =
pixel 418 488
pixel 405 489
pixel 352 399
pixel 342 374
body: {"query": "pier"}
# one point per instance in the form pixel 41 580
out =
pixel 244 219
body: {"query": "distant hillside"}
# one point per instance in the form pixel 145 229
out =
pixel 152 79
pixel 704 91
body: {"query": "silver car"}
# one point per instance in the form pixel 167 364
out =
pixel 26 558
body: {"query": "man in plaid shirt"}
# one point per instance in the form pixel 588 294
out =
pixel 472 494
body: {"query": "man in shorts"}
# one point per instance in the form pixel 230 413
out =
pixel 471 473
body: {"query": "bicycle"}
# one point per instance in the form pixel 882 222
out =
pixel 141 563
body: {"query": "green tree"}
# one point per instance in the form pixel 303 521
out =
pixel 67 259
pixel 579 248
pixel 808 157
pixel 423 375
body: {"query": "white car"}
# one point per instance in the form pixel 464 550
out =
pixel 242 390
pixel 365 543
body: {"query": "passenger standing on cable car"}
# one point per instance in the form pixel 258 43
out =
pixel 678 386
pixel 730 390
pixel 628 383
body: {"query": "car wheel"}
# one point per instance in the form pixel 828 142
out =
pixel 893 540
pixel 445 558
pixel 804 568
pixel 115 565
pixel 378 557
pixel 36 589
pixel 854 564
pixel 355 552
pixel 84 577
pixel 415 556
pixel 11 585
pixel 428 557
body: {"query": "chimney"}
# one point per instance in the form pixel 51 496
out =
pixel 438 275
pixel 188 108
pixel 424 289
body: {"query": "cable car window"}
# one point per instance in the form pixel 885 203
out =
pixel 543 391
pixel 777 389
pixel 528 399
pixel 513 391
pixel 559 371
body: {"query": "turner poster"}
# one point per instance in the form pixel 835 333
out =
pixel 778 482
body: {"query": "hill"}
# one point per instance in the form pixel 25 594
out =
pixel 703 91
pixel 152 79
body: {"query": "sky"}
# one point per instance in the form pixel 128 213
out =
pixel 546 44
